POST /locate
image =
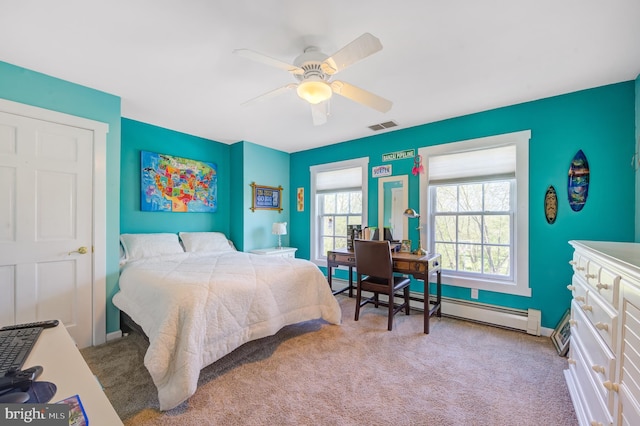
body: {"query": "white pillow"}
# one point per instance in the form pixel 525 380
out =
pixel 137 246
pixel 205 241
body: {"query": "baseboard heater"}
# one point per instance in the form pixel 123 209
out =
pixel 527 320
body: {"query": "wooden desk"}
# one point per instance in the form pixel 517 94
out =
pixel 63 365
pixel 420 267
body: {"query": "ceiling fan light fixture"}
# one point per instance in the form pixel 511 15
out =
pixel 314 92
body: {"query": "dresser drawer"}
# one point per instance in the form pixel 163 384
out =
pixel 592 402
pixel 579 263
pixel 578 290
pixel 608 286
pixel 602 280
pixel 599 360
pixel 601 316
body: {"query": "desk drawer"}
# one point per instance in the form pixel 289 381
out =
pixel 346 259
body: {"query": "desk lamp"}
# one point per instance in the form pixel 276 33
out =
pixel 279 229
pixel 412 214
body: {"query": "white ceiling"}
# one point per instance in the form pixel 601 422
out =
pixel 172 64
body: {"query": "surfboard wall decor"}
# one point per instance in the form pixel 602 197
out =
pixel 551 204
pixel 578 182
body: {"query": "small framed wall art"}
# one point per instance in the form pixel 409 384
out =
pixel 266 197
pixel 562 334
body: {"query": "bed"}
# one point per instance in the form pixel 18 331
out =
pixel 197 299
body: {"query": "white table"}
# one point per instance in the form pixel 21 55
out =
pixel 275 251
pixel 64 366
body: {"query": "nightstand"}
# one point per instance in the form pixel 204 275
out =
pixel 274 251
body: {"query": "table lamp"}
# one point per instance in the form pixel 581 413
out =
pixel 412 214
pixel 279 229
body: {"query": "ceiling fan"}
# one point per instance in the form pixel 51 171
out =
pixel 314 71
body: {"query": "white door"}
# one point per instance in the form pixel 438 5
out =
pixel 45 218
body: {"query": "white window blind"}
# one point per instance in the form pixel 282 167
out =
pixel 349 178
pixel 491 163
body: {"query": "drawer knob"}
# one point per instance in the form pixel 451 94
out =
pixel 572 322
pixel 579 268
pixel 611 386
pixel 571 361
pixel 595 423
pixel 602 326
pixel 598 369
pixel 601 286
pixel 587 308
pixel 587 276
pixel 580 299
pixel 573 263
pixel 571 287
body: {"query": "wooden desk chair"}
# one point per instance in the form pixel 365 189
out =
pixel 374 267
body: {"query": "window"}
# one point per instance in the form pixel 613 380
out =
pixel 338 199
pixel 476 196
pixel 473 227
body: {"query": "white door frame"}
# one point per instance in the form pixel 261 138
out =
pixel 100 130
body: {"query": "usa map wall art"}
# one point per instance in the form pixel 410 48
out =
pixel 174 184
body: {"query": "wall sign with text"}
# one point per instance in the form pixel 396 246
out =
pixel 266 197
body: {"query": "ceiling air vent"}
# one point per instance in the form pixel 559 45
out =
pixel 385 125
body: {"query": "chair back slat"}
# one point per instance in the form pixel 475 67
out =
pixel 373 258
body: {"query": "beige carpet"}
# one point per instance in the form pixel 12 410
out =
pixel 357 373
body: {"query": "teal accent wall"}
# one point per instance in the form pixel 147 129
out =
pixel 263 166
pixel 636 160
pixel 32 88
pixel 138 136
pixel 238 188
pixel 600 121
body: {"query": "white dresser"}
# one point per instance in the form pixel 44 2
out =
pixel 275 251
pixel 604 356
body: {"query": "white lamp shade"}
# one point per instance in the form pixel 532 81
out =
pixel 314 92
pixel 279 228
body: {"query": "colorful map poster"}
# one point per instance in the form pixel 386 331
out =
pixel 174 184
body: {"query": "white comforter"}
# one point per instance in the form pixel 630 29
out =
pixel 197 307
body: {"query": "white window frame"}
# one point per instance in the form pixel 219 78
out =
pixel 320 259
pixel 519 284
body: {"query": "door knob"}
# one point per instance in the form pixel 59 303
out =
pixel 81 250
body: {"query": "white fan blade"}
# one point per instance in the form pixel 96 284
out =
pixel 259 57
pixel 270 94
pixel 319 112
pixel 353 52
pixel 359 95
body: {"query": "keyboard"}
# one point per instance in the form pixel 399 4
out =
pixel 15 346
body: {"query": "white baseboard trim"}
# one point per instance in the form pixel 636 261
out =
pixel 114 335
pixel 527 320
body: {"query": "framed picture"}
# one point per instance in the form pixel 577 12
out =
pixel 405 247
pixel 561 335
pixel 266 197
pixel 175 184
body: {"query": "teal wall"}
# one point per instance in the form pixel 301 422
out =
pixel 28 87
pixel 136 137
pixel 599 121
pixel 263 166
pixel 637 157
pixel 238 188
